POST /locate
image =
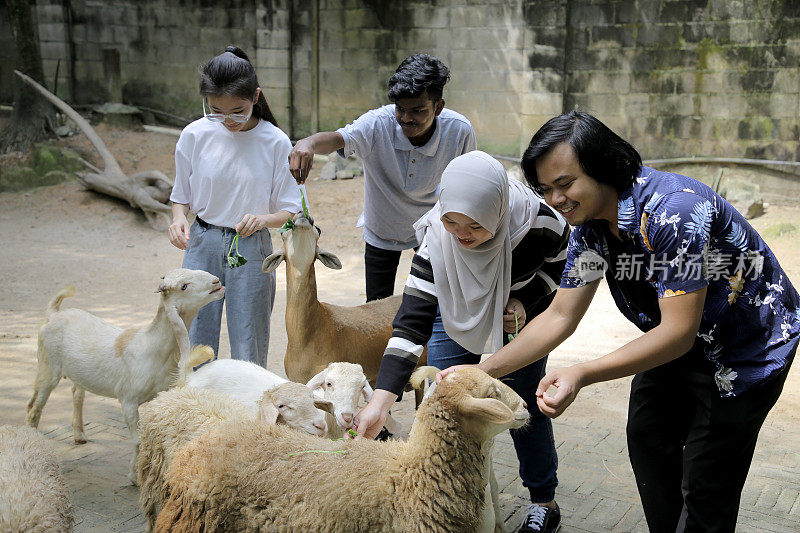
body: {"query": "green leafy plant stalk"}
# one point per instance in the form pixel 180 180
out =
pixel 235 259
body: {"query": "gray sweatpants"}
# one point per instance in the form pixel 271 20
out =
pixel 249 293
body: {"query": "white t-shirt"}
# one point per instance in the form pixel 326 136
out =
pixel 401 181
pixel 224 175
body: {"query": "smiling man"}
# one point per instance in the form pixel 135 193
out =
pixel 720 319
pixel 405 147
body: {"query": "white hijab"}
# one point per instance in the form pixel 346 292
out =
pixel 472 285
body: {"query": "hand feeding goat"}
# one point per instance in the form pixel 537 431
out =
pixel 33 495
pixel 320 333
pixel 132 365
pixel 248 476
pixel 178 415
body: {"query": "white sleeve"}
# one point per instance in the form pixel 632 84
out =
pixel 358 136
pixel 181 191
pixel 470 143
pixel 285 193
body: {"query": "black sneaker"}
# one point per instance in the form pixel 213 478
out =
pixel 539 519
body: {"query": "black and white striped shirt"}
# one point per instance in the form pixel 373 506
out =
pixel 537 263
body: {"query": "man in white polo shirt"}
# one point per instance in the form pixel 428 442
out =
pixel 405 147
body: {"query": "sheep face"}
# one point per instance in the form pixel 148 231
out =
pixel 300 248
pixel 296 406
pixel 189 290
pixel 488 406
pixel 343 384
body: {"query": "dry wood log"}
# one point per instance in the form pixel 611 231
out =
pixel 148 191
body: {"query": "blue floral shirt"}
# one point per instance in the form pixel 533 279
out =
pixel 678 236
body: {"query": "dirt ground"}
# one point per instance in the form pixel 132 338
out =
pixel 61 235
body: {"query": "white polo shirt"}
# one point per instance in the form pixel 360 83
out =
pixel 401 180
pixel 224 175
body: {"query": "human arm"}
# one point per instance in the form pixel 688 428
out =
pixel 370 419
pixel 179 229
pixel 541 335
pixel 252 223
pixel 301 158
pixel 673 337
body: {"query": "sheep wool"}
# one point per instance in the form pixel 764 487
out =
pixel 33 495
pixel 248 476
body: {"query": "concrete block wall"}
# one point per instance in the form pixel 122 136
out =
pixel 676 77
pixel 690 77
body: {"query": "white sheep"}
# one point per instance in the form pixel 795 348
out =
pixel 320 333
pixel 344 384
pixel 178 415
pixel 33 495
pixel 249 476
pixel 132 365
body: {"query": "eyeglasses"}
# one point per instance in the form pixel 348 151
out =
pixel 220 117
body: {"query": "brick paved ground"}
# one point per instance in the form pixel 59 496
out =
pixel 96 250
pixel 596 491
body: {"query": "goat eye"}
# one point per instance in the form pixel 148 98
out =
pixel 281 406
pixel 328 384
pixel 183 287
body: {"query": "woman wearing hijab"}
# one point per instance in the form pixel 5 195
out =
pixel 490 258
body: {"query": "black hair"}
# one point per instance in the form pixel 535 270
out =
pixel 602 154
pixel 232 73
pixel 416 75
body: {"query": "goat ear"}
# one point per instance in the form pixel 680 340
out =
pixel 272 262
pixel 317 380
pixel 367 391
pixel 325 405
pixel 328 259
pixel 180 332
pixel 162 288
pixel 268 413
pixel 488 410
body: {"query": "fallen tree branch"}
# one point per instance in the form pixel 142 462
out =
pixel 148 191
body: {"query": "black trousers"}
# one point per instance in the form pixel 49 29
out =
pixel 380 269
pixel 690 449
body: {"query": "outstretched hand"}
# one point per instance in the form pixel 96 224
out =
pixel 442 373
pixel 568 382
pixel 301 159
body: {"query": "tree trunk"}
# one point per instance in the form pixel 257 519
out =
pixel 32 115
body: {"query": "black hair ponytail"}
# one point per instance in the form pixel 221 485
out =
pixel 232 73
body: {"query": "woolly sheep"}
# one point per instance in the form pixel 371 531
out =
pixel 132 365
pixel 34 497
pixel 180 414
pixel 248 476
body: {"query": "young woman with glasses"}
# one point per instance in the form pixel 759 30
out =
pixel 231 169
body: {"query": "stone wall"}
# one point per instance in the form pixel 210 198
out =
pixel 676 77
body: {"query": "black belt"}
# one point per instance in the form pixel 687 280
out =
pixel 203 223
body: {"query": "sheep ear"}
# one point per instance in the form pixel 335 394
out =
pixel 328 259
pixel 317 380
pixel 367 391
pixel 325 405
pixel 180 332
pixel 272 262
pixel 488 410
pixel 268 413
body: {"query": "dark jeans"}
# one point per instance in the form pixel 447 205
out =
pixel 534 442
pixel 689 448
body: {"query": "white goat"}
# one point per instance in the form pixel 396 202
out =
pixel 132 365
pixel 320 333
pixel 178 415
pixel 249 476
pixel 33 495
